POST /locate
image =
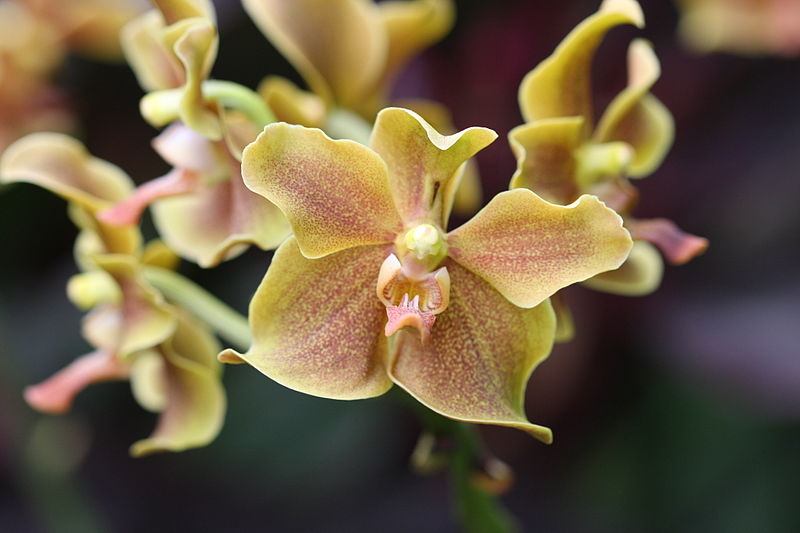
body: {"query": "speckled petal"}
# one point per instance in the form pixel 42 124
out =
pixel 55 394
pixel 637 117
pixel 639 275
pixel 335 193
pixel 317 324
pixel 339 47
pixel 218 220
pixel 195 400
pixel 560 85
pixel 411 27
pixel 545 151
pixel 292 104
pixel 481 352
pixel 62 165
pixel 423 164
pixel 527 248
pixel 677 246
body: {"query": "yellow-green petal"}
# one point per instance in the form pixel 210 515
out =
pixel 175 10
pixel 338 47
pixel 545 152
pixel 637 117
pixel 317 324
pixel 424 165
pixel 148 382
pixel 292 104
pixel 482 350
pixel 197 49
pixel 560 85
pixel 152 61
pixel 565 323
pixel 335 193
pixel 527 248
pixel 195 400
pixel 639 275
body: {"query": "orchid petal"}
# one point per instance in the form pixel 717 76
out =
pixel 176 10
pixel 560 85
pixel 158 254
pixel 545 152
pixel 129 211
pixel 197 49
pixel 153 62
pixel 195 400
pixel 677 246
pixel 184 148
pixel 637 117
pixel 411 27
pixel 317 325
pixel 338 47
pixel 292 104
pixel 335 194
pixel 55 394
pixel 92 27
pixel 62 165
pixel 217 220
pixel 477 362
pixel 97 237
pixel 527 248
pixel 639 275
pixel 143 319
pixel 147 380
pixel 424 165
pixel 565 324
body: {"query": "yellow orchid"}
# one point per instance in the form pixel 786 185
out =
pixel 561 155
pixel 747 27
pixel 371 261
pixel 165 353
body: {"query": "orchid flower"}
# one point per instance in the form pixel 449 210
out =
pixel 166 354
pixel 371 290
pixel 748 27
pixel 201 207
pixel 561 155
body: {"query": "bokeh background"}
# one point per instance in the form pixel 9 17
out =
pixel 675 412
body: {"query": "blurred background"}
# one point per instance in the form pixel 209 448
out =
pixel 679 411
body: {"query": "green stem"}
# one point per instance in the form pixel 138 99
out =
pixel 229 324
pixel 160 108
pixel 478 511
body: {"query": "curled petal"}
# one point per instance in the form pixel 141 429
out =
pixel 184 148
pixel 565 324
pixel 639 275
pixel 129 211
pixel 335 193
pixel 527 248
pixel 477 362
pixel 292 104
pixel 317 325
pixel 339 47
pixel 217 221
pixel 637 117
pixel 153 62
pixel 197 49
pixel 409 315
pixel 424 165
pixel 560 85
pixel 55 395
pixel 545 151
pixel 147 380
pixel 677 246
pixel 194 406
pixel 62 165
pixel 176 10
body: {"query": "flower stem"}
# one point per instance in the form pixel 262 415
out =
pixel 229 324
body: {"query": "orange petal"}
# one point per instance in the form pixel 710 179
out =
pixel 476 364
pixel 527 248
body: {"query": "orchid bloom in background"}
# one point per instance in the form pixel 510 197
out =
pixel 201 207
pixel 35 37
pixel 169 358
pixel 371 291
pixel 349 52
pixel 741 26
pixel 560 155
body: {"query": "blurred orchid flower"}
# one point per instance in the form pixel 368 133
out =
pixel 165 353
pixel 371 291
pixel 348 53
pixel 561 155
pixel 747 27
pixel 201 207
pixel 35 37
